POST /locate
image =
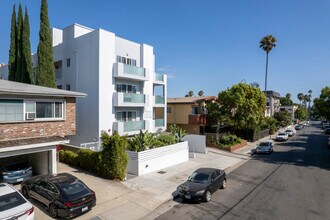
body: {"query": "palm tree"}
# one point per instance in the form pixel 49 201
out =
pixel 201 93
pixel 300 97
pixel 288 96
pixel 267 43
pixel 190 93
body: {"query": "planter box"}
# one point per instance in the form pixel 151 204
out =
pixel 144 162
pixel 232 148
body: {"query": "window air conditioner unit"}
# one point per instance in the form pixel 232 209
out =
pixel 30 116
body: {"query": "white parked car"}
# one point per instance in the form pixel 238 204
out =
pixel 282 136
pixel 290 132
pixel 13 205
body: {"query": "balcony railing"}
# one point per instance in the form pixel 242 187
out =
pixel 134 70
pixel 197 120
pixel 159 122
pixel 134 126
pixel 159 100
pixel 134 98
pixel 159 77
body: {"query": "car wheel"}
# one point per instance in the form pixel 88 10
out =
pixel 25 192
pixel 224 184
pixel 207 196
pixel 53 211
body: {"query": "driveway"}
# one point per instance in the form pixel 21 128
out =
pixel 107 191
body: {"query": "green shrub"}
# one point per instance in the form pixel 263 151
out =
pixel 164 140
pixel 69 157
pixel 113 156
pixel 229 140
pixel 177 132
pixel 142 141
pixel 89 160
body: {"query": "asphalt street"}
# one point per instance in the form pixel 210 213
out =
pixel 291 183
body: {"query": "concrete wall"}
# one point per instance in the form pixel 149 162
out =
pixel 196 143
pixel 39 162
pixel 32 129
pixel 156 159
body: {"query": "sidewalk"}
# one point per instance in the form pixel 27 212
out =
pixel 150 195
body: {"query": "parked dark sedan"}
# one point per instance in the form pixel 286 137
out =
pixel 202 183
pixel 63 194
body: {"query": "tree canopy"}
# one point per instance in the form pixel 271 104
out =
pixel 322 103
pixel 46 68
pixel 242 107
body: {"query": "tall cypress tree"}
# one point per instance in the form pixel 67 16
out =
pixel 46 68
pixel 19 52
pixel 27 70
pixel 12 50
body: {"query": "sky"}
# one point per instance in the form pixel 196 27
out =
pixel 206 45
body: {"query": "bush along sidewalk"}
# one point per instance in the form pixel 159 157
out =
pixel 110 163
pixel 229 142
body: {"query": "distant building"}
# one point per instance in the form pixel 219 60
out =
pixel 272 103
pixel 189 113
pixel 291 109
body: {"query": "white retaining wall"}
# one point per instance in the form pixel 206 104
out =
pixel 144 162
pixel 196 143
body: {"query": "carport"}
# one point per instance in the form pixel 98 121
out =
pixel 41 156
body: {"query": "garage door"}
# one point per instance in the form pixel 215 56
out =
pixel 41 159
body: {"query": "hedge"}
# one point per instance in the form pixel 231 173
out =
pixel 110 163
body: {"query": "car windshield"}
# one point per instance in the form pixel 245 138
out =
pixel 74 189
pixel 264 144
pixel 16 166
pixel 199 178
pixel 288 131
pixel 10 201
pixel 281 134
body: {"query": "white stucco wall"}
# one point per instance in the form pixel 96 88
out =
pixel 156 159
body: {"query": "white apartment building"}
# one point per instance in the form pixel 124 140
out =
pixel 124 93
pixel 272 103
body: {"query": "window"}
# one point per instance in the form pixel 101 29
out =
pixel 169 110
pixel 11 110
pixel 42 110
pixel 126 116
pixel 68 62
pixel 194 110
pixel 125 60
pixel 59 87
pixel 126 88
pixel 67 87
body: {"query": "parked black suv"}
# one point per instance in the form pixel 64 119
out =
pixel 63 194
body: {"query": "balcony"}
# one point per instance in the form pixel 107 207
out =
pixel 159 78
pixel 129 99
pixel 197 119
pixel 159 122
pixel 129 127
pixel 130 72
pixel 159 100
